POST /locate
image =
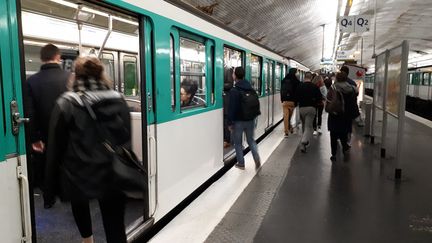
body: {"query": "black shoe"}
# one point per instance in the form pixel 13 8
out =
pixel 346 155
pixel 257 164
pixel 333 158
pixel 303 149
pixel 239 166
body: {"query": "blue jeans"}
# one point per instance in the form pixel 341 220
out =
pixel 248 128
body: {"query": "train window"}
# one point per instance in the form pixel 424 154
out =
pixel 107 60
pixel 232 59
pixel 130 76
pixel 193 90
pixel 277 77
pixel 426 77
pixel 270 80
pixel 172 72
pixel 256 63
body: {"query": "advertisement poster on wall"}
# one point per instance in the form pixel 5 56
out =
pixel 393 81
pixel 379 80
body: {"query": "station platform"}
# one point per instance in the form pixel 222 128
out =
pixel 298 197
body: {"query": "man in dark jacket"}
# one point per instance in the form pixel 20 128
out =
pixel 340 125
pixel 238 124
pixel 288 88
pixel 307 96
pixel 43 90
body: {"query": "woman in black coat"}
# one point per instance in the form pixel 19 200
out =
pixel 76 151
pixel 340 125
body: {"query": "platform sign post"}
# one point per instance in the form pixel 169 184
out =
pixel 384 104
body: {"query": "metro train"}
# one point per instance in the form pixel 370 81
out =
pixel 148 48
pixel 418 91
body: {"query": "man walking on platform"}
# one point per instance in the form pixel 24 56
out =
pixel 43 89
pixel 307 96
pixel 244 107
pixel 288 88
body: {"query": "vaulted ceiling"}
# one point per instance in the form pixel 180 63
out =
pixel 294 28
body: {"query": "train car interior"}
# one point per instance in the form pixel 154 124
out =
pixel 86 30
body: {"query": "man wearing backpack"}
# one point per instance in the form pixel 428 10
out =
pixel 341 106
pixel 288 88
pixel 244 107
pixel 307 96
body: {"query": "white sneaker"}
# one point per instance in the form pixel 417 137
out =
pixel 319 130
pixel 315 133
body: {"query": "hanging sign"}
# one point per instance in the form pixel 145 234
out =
pixel 358 23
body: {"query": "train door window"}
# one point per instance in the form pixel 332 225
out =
pixel 107 60
pixel 256 63
pixel 130 76
pixel 172 72
pixel 232 59
pixel 266 78
pixel 193 92
pixel 271 88
pixel 426 78
pixel 277 77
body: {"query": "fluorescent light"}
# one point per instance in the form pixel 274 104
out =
pixel 94 11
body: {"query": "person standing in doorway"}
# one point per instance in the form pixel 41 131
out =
pixel 43 89
pixel 81 154
pixel 243 110
pixel 288 88
pixel 307 96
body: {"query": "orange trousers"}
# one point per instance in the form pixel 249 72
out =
pixel 288 110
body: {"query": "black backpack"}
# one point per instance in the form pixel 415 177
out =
pixel 335 103
pixel 249 105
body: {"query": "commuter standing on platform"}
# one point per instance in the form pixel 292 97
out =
pixel 243 109
pixel 319 82
pixel 288 88
pixel 307 96
pixel 340 123
pixel 43 90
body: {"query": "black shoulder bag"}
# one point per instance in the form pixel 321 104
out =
pixel 129 174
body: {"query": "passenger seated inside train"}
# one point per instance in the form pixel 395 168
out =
pixel 188 89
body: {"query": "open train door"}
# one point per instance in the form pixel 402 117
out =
pixel 15 219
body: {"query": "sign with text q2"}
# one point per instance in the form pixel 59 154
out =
pixel 346 24
pixel 362 23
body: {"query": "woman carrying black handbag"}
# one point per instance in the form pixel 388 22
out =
pixel 77 152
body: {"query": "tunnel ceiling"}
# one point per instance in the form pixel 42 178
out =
pixel 293 27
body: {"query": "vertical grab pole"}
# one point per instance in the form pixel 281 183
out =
pixel 107 36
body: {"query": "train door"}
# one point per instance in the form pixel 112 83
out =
pixel 270 94
pixel 123 43
pixel 15 218
pixel 232 58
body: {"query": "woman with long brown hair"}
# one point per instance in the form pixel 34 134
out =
pixel 77 153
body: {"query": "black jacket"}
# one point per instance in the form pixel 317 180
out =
pixel 235 100
pixel 308 94
pixel 288 87
pixel 225 94
pixel 343 123
pixel 43 90
pixel 75 149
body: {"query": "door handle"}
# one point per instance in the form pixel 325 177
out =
pixel 26 220
pixel 17 120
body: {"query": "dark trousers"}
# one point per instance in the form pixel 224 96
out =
pixel 343 137
pixel 318 117
pixel 227 132
pixel 112 210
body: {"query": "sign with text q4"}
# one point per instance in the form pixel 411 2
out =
pixel 359 23
pixel 346 24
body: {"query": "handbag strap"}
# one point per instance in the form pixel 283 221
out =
pixel 100 130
